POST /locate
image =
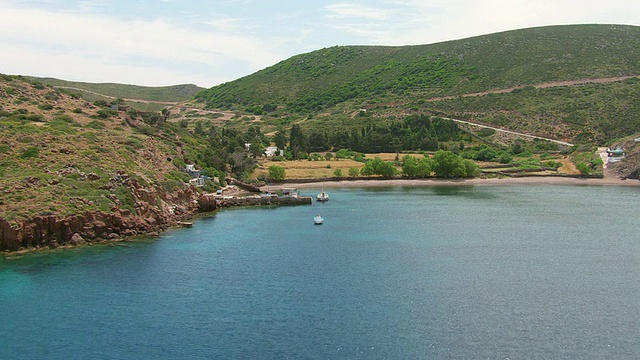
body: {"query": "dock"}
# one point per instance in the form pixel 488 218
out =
pixel 211 202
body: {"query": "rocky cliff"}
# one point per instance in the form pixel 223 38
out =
pixel 155 210
pixel 629 168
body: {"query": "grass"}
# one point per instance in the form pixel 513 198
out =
pixel 305 169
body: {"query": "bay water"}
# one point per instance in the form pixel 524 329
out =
pixel 464 272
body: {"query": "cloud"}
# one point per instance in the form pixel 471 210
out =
pixel 355 11
pixel 423 22
pixel 93 40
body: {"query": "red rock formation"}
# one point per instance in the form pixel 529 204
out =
pixel 155 211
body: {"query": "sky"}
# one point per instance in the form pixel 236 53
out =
pixel 169 42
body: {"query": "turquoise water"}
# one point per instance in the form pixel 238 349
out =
pixel 545 272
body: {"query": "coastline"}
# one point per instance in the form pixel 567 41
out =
pixel 607 180
pixel 528 180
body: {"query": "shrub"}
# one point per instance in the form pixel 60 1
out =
pixel 100 103
pixel 583 168
pixel 36 118
pixel 96 125
pixel 106 113
pixel 127 201
pixel 505 158
pixel 30 152
pixel 486 132
pixel 277 172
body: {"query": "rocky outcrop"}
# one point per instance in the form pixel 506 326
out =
pixel 629 167
pixel 155 210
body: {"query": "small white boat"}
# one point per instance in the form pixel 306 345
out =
pixel 323 196
pixel 317 220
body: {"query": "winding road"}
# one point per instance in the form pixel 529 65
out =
pixel 511 132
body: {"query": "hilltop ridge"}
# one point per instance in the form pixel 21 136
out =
pixel 328 85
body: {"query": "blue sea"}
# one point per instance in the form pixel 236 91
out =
pixel 465 272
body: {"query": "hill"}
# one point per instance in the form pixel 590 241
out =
pixel 145 98
pixel 69 166
pixel 388 81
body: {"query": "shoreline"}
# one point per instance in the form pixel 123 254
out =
pixel 372 183
pixel 529 180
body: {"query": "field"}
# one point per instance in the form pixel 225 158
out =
pixel 305 169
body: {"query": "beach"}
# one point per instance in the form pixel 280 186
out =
pixel 528 180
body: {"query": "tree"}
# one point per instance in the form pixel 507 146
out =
pixel 409 166
pixel 414 167
pixel 277 172
pixel 280 139
pixel 198 129
pixel 241 162
pixel 505 158
pixel 297 142
pixel 328 156
pixel 354 171
pixel 337 172
pixel 425 166
pixel 447 164
pixel 343 153
pixel 378 167
pixel 386 169
pixel 471 169
pixel 486 154
pixel 517 148
pixel 166 113
pixel 368 169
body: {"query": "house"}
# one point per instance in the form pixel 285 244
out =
pixel 197 181
pixel 271 151
pixel 617 152
pixel 191 170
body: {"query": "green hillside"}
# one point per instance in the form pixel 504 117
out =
pixel 60 154
pixel 530 56
pixel 341 80
pixel 174 93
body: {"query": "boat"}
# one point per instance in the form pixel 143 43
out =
pixel 185 224
pixel 317 220
pixel 323 196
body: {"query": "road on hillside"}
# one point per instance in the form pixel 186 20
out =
pixel 511 132
pixel 115 98
pixel 496 91
pixel 539 86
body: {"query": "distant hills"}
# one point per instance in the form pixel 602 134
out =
pixel 576 83
pixel 142 97
pixel 331 76
pixel 388 81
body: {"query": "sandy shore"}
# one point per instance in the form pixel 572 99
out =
pixel 537 180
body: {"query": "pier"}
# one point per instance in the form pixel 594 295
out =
pixel 213 201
